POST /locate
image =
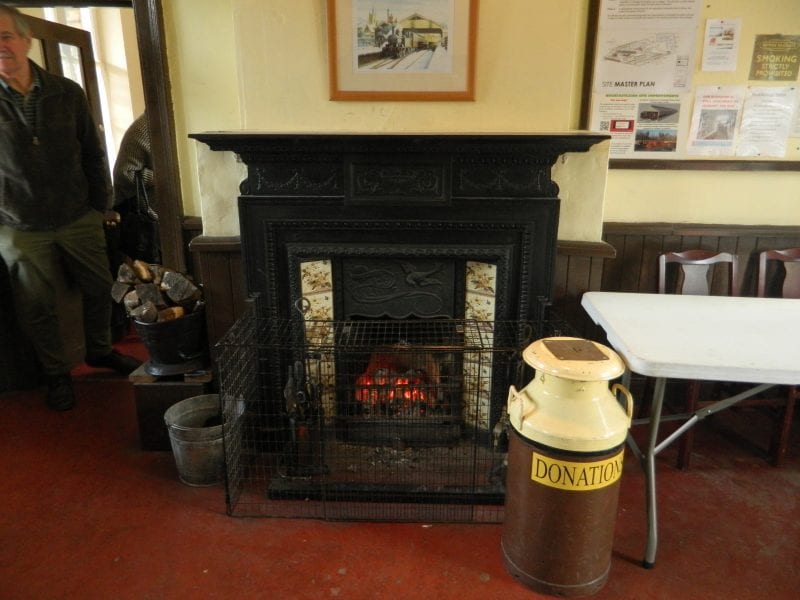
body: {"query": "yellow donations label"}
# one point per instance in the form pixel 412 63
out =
pixel 576 476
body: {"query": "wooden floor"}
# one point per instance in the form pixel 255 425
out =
pixel 88 514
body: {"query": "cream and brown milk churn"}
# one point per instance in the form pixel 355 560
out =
pixel 565 455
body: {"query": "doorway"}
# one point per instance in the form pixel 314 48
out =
pixel 18 368
pixel 148 18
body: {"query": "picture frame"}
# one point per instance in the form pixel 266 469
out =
pixel 402 49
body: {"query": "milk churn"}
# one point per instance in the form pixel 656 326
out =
pixel 565 456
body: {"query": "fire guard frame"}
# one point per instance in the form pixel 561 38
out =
pixel 298 461
pixel 457 198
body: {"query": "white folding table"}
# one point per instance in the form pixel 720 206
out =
pixel 716 338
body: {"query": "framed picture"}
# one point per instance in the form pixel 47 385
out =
pixel 402 49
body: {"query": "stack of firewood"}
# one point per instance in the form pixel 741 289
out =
pixel 152 293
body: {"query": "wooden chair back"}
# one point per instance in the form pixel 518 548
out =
pixel 697 267
pixel 696 271
pixel 790 258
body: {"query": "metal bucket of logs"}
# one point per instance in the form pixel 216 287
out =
pixel 167 309
pixel 176 346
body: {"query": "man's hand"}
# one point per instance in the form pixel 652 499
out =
pixel 111 219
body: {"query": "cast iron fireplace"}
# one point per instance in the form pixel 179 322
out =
pixel 394 281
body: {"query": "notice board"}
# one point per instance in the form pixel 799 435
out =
pixel 691 84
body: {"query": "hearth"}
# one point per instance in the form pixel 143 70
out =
pixel 394 280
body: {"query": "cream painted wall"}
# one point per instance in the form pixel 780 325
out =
pixel 286 73
pixel 250 64
pixel 201 52
pixel 728 197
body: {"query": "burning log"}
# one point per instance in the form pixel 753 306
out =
pixel 399 381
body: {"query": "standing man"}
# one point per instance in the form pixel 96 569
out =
pixel 54 193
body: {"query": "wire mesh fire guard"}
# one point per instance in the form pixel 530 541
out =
pixel 399 420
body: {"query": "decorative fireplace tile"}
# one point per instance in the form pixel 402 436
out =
pixel 481 287
pixel 480 306
pixel 317 286
pixel 317 289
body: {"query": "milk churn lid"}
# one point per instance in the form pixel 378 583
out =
pixel 574 358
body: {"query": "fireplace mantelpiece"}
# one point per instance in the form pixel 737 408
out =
pixel 368 179
pixel 406 217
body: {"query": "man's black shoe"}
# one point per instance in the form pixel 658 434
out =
pixel 60 395
pixel 121 363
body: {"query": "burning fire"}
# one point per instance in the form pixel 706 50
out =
pixel 398 384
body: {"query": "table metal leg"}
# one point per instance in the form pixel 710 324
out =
pixel 653 448
pixel 631 441
pixel 650 474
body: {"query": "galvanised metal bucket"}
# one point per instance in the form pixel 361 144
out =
pixel 195 433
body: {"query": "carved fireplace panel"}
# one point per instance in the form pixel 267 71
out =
pixel 395 280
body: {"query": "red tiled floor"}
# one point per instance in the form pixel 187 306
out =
pixel 87 514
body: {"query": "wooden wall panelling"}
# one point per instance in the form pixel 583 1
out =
pixel 579 268
pixel 745 241
pixel 741 246
pixel 648 271
pixel 219 263
pixel 612 269
pixel 572 278
pixel 633 261
pixel 560 277
pixel 627 260
pixel 190 229
pixel 747 249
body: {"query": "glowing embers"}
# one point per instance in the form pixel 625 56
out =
pixel 399 381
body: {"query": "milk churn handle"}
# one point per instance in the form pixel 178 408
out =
pixel 621 388
pixel 515 396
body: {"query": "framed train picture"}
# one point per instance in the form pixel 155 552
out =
pixel 402 49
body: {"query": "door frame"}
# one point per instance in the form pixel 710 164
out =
pixel 149 19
